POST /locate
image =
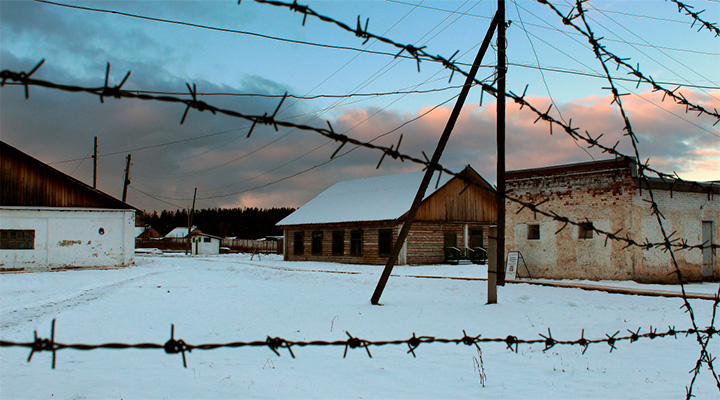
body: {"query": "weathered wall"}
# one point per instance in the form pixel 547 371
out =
pixel 604 197
pixel 683 214
pixel 67 238
pixel 424 244
pixel 369 245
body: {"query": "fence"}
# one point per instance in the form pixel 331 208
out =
pixel 668 243
pixel 233 245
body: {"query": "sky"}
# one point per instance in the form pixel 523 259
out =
pixel 217 47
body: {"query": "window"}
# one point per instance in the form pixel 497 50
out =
pixel 317 239
pixel 338 243
pixel 450 240
pixel 298 243
pixel 385 242
pixel 206 240
pixel 16 239
pixel 533 232
pixel 476 238
pixel 585 230
pixel 356 242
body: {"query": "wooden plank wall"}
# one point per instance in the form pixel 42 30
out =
pixel 447 204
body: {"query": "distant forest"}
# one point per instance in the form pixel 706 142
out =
pixel 248 223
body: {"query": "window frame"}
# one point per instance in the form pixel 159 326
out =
pixel 585 230
pixel 533 231
pixel 17 239
pixel 385 242
pixel 338 243
pixel 316 245
pixel 356 242
pixel 298 243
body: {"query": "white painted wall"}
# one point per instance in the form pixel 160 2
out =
pixel 200 246
pixel 69 237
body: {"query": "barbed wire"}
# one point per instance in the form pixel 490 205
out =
pixel 705 356
pixel 392 151
pixel 180 346
pixel 710 26
pixel 678 97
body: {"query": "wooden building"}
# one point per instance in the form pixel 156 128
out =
pixel 358 221
pixel 608 195
pixel 50 220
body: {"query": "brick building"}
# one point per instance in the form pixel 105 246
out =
pixel 607 195
pixel 358 221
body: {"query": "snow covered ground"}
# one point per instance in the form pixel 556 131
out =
pixel 232 298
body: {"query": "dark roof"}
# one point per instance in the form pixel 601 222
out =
pixel 600 165
pixel 28 182
pixel 621 163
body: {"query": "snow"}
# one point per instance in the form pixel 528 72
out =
pixel 217 299
pixel 179 232
pixel 377 198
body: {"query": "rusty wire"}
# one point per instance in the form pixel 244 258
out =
pixel 601 55
pixel 180 346
pixel 710 26
pixel 392 151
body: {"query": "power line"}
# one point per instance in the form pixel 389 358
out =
pixel 572 33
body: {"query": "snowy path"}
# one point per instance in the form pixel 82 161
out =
pixel 229 298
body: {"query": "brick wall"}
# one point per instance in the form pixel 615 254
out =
pixel 609 199
pixel 604 197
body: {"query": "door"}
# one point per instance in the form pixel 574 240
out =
pixel 476 238
pixel 707 251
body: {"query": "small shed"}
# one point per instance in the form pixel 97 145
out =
pixel 204 244
pixel 358 221
pixel 49 220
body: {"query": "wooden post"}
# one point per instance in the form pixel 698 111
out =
pixel 95 164
pixel 492 265
pixel 433 162
pixel 190 220
pixel 500 194
pixel 127 178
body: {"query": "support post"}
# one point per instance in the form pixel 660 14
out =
pixel 126 182
pixel 190 220
pixel 500 194
pixel 493 266
pixel 431 168
pixel 95 164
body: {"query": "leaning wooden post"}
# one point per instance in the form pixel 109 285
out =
pixel 432 166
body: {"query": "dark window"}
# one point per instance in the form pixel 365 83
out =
pixel 385 242
pixel 533 232
pixel 298 243
pixel 356 242
pixel 476 238
pixel 338 243
pixel 450 239
pixel 206 240
pixel 585 230
pixel 15 239
pixel 317 237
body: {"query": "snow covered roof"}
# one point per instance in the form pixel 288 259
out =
pixel 179 232
pixel 370 199
pixel 139 230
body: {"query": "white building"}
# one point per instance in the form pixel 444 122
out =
pixel 204 244
pixel 49 220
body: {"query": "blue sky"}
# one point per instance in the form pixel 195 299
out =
pixel 287 168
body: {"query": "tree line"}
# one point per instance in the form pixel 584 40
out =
pixel 247 223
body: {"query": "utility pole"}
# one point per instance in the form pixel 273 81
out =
pixel 95 165
pixel 190 220
pixel 126 182
pixel 496 272
pixel 433 163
